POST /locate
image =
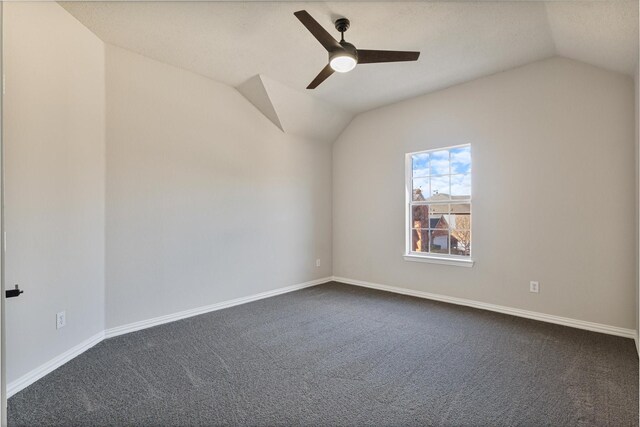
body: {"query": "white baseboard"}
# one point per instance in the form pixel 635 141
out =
pixel 42 370
pixel 143 324
pixel 580 324
pixel 53 364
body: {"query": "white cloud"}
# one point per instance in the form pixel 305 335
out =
pixel 460 160
pixel 439 162
pixel 461 185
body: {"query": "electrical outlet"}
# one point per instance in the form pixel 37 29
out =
pixel 61 319
pixel 534 287
pixel 318 262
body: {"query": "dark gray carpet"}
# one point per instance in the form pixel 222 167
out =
pixel 341 355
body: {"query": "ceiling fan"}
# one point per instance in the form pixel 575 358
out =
pixel 343 56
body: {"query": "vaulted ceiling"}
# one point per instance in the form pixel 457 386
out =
pixel 234 41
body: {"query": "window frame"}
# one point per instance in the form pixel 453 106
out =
pixel 447 259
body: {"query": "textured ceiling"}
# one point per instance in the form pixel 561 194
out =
pixel 459 41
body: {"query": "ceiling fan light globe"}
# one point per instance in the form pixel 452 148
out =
pixel 343 63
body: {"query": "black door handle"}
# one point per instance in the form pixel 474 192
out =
pixel 13 292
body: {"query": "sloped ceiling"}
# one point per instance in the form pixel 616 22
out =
pixel 601 33
pixel 459 41
pixel 295 112
pixel 256 92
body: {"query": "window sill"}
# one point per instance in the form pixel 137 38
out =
pixel 439 260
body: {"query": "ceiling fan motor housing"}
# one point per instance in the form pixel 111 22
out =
pixel 347 48
pixel 345 59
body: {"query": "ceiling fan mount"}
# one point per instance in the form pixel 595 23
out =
pixel 343 56
pixel 342 24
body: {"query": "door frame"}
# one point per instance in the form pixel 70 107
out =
pixel 3 382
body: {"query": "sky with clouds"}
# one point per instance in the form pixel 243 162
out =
pixel 443 172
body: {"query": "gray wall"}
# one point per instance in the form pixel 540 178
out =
pixel 207 200
pixel 54 182
pixel 553 191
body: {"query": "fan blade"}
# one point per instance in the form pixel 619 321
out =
pixel 324 74
pixel 318 32
pixel 373 56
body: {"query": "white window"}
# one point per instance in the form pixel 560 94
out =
pixel 438 187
